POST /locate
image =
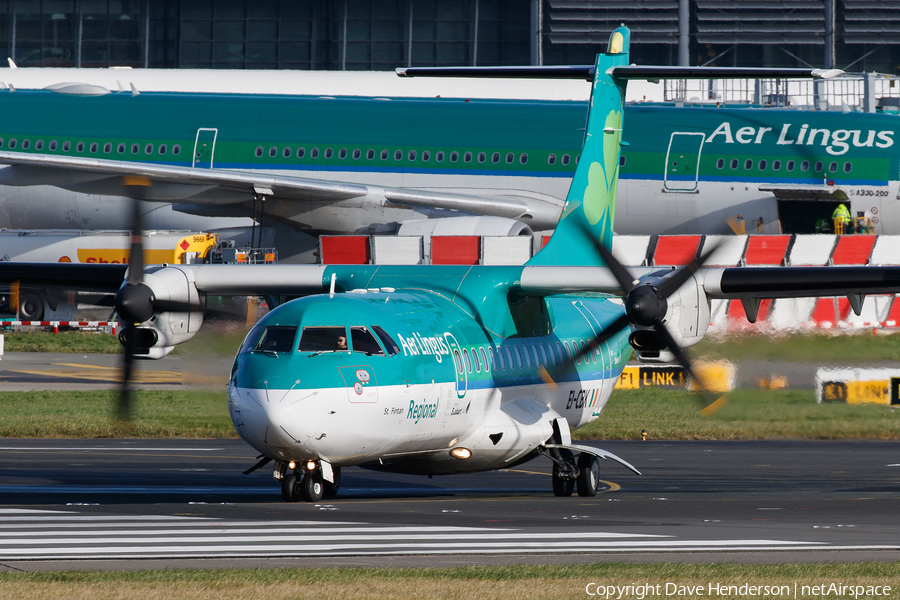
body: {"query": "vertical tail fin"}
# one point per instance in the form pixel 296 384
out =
pixel 591 202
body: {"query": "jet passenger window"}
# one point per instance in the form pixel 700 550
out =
pixel 412 155
pixel 833 167
pixel 176 149
pixel 13 143
pixel 273 151
pixel 819 166
pixel 389 344
pixel 776 165
pixel 720 164
pixel 370 154
pixel 848 166
pixel 439 156
pixel 328 152
pixel 475 360
pixel 398 154
pixel 287 152
pixel 323 339
pixel 364 342
pixel 565 159
pixel 107 148
pixel 163 148
pixel 518 356
pixel 135 148
pixel 79 147
pixel 301 152
pixel 52 144
pixel 39 145
pixel 342 153
pixel 276 338
pixel 259 151
pixel 314 153
pixel 790 165
pixel 454 156
pixel 94 147
pixel 120 149
pixel 495 157
pixel 510 157
pixel 356 154
pixel 384 155
pixel 426 155
pixel 734 164
pixel 67 146
pixel 484 359
pixel 467 359
pixel 467 157
pixel 523 158
pixel 481 157
pixel 551 160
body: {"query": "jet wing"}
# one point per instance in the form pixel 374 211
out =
pixel 88 278
pixel 170 183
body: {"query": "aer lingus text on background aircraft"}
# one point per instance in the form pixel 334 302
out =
pixel 349 164
pixel 442 369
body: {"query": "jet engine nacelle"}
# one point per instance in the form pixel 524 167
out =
pixel 483 226
pixel 687 319
pixel 159 334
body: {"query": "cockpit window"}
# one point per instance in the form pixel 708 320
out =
pixel 364 342
pixel 389 344
pixel 276 338
pixel 252 338
pixel 323 339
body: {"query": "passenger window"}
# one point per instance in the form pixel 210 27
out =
pixel 622 161
pixel 66 146
pixel 135 148
pixel 356 154
pixel 276 338
pixel 457 361
pixel 52 144
pixel 510 157
pixel 314 153
pixel 537 361
pixel 518 356
pixel 94 147
pixel 720 164
pixel 328 153
pixel 39 145
pixel 482 157
pixel 342 153
pixel 287 152
pixel 79 147
pixel 748 164
pixel 412 155
pixel 439 156
pixel 509 359
pixel 259 151
pixel 426 155
pixel 467 157
pixel 565 159
pixel 804 166
pixel 568 350
pixel 559 354
pixel 27 143
pixel 384 155
pixel 776 165
pixel 551 160
pixel 364 342
pixel 484 359
pixel 762 165
pixel 273 151
pixel 543 355
pixel 527 356
pixel 323 339
pixel 454 156
pixel 176 149
pixel 398 155
pixel 495 157
pixel 833 167
pixel 467 359
pixel 790 165
pixel 163 148
pixel 819 166
pixel 13 143
pixel 301 152
pixel 734 164
pixel 848 166
pixel 500 362
pixel 370 154
pixel 476 361
pixel 389 344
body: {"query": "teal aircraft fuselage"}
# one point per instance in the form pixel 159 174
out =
pixel 685 170
pixel 421 372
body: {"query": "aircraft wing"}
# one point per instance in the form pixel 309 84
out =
pixel 88 278
pixel 170 183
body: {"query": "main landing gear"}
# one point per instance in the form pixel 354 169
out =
pixel 567 472
pixel 308 483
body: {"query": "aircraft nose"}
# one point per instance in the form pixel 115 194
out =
pixel 276 422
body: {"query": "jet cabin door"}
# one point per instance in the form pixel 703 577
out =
pixel 205 148
pixel 682 167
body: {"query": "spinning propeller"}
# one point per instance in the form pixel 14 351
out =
pixel 135 301
pixel 646 306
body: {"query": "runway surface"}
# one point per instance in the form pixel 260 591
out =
pixel 136 504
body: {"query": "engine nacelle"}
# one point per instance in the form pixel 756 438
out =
pixel 484 226
pixel 158 335
pixel 687 319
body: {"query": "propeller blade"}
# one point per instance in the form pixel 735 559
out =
pixel 710 403
pixel 671 284
pixel 615 327
pixel 123 408
pixel 623 277
pixel 136 255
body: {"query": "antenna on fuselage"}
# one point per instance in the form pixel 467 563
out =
pixel 331 291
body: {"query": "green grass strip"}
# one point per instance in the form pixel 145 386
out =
pixel 89 414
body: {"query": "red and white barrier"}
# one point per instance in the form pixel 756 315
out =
pixel 112 325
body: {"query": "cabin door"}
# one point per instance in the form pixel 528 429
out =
pixel 205 148
pixel 682 168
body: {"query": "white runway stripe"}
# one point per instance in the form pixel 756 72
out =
pixel 148 536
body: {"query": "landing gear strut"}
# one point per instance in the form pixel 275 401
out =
pixel 309 485
pixel 566 473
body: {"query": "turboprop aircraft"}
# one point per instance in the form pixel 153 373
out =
pixel 438 370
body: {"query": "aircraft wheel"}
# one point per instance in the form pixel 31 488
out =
pixel 561 486
pixel 312 488
pixel 290 488
pixel 588 474
pixel 331 489
pixel 31 306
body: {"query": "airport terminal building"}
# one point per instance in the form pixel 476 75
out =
pixel 855 35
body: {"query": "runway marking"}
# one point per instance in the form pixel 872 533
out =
pixel 106 449
pixel 35 535
pixel 102 373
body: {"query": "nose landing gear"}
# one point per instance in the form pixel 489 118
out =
pixel 309 482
